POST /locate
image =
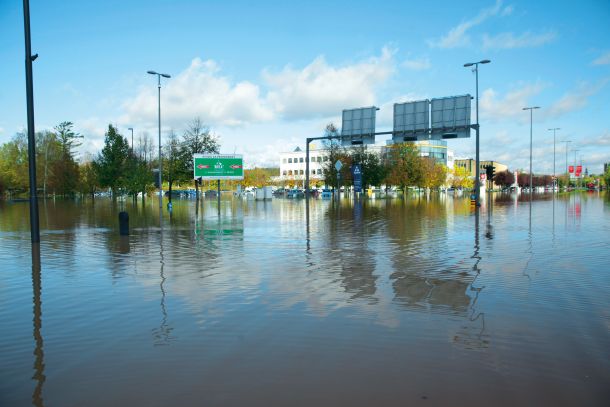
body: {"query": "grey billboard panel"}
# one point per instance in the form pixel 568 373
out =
pixel 358 126
pixel 451 117
pixel 411 121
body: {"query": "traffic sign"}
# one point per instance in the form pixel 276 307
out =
pixel 338 165
pixel 218 166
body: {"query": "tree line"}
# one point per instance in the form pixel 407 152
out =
pixel 118 167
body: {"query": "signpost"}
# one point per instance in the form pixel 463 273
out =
pixel 338 166
pixel 209 167
pixel 357 177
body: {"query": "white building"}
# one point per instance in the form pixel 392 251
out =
pixel 292 164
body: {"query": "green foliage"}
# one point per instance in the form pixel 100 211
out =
pixel 404 167
pixel 139 176
pixel 373 170
pixel 177 162
pixel 606 178
pixel 67 138
pixel 111 163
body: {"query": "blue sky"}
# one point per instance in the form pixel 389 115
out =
pixel 265 75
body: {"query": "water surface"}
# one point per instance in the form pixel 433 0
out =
pixel 360 303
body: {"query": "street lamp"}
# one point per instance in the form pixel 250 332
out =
pixel 477 189
pixel 131 128
pixel 567 173
pixel 554 176
pixel 159 75
pixel 531 109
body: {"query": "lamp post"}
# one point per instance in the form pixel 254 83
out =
pixel 554 175
pixel 531 109
pixel 576 181
pixel 29 90
pixel 567 173
pixel 477 189
pixel 131 128
pixel 159 75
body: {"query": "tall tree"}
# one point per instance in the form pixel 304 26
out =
pixel 176 162
pixel 111 163
pixel 404 167
pixel 335 152
pixel 68 139
pixel 198 139
pixel 373 170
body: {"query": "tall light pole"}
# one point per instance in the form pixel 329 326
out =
pixel 531 109
pixel 477 189
pixel 131 128
pixel 159 75
pixel 554 175
pixel 29 90
pixel 567 173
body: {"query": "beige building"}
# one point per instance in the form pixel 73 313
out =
pixel 469 165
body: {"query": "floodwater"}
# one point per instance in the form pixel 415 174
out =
pixel 413 302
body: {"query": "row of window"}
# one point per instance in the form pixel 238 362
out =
pixel 301 159
pixel 301 172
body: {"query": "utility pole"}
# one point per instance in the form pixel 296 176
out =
pixel 29 88
pixel 554 175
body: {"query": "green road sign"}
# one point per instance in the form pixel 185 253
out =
pixel 218 166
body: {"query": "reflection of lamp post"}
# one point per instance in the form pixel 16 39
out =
pixel 159 75
pixel 554 176
pixel 531 109
pixel 477 174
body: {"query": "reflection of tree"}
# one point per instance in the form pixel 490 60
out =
pixel 348 241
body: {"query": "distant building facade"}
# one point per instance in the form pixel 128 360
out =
pixel 293 163
pixel 469 164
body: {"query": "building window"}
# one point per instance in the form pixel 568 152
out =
pixel 319 159
pixel 301 159
pixel 284 161
pixel 290 160
pixel 284 173
pixel 319 171
pixel 313 172
pixel 325 158
pixel 290 172
pixel 313 159
pixel 301 173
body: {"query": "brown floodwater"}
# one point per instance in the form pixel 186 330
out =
pixel 415 302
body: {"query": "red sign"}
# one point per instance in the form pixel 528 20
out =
pixel 235 166
pixel 579 168
pixel 571 169
pixel 201 166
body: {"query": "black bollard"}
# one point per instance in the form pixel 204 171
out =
pixel 123 223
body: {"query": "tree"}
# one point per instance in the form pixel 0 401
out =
pixel 257 177
pixel 198 139
pixel 504 178
pixel 404 167
pixel 88 179
pixel 373 170
pixel 139 175
pixel 176 162
pixel 335 152
pixel 606 177
pixel 461 178
pixel 14 164
pixel 111 163
pixel 67 138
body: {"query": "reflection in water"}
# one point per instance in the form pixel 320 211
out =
pixel 358 294
pixel 162 335
pixel 39 375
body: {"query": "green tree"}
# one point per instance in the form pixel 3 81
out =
pixel 67 138
pixel 606 178
pixel 198 139
pixel 14 164
pixel 335 152
pixel 177 164
pixel 88 181
pixel 373 170
pixel 404 167
pixel 460 178
pixel 140 177
pixel 111 163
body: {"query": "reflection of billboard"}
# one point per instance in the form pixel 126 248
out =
pixel 451 117
pixel 358 126
pixel 411 121
pixel 218 166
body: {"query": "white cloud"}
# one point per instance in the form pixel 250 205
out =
pixel 419 64
pixel 320 90
pixel 575 99
pixel 458 35
pixel 603 59
pixel 199 91
pixel 602 140
pixel 508 40
pixel 511 105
